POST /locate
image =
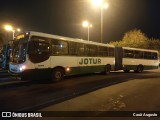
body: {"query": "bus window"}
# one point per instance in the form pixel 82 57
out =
pixel 147 55
pixel 59 47
pixel 91 50
pixel 80 48
pixel 38 49
pixel 39 45
pixel 154 56
pixel 138 54
pixel 42 48
pixel 103 51
pixel 73 48
pixel 128 54
pixel 111 52
pixel 19 50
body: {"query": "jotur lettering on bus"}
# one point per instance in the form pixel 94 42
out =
pixel 89 61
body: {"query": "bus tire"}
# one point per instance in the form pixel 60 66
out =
pixel 140 69
pixel 107 70
pixel 126 71
pixel 57 74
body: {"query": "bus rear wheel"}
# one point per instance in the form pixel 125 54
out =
pixel 107 70
pixel 57 75
pixel 139 69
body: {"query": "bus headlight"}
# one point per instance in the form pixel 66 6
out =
pixel 22 68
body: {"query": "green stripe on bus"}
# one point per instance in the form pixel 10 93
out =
pixel 134 67
pixel 87 69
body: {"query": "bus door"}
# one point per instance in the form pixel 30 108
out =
pixel 118 58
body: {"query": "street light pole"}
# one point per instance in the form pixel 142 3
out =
pixel 88 25
pixel 10 28
pixel 103 5
pixel 88 33
pixel 101 24
pixel 13 31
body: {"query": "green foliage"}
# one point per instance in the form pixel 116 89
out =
pixel 154 44
pixel 134 38
pixel 137 39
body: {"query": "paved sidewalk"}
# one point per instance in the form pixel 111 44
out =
pixel 134 95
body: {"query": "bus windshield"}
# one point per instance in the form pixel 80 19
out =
pixel 19 51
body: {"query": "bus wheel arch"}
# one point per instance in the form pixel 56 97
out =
pixel 107 69
pixel 57 74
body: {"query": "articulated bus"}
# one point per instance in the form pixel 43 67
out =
pixel 41 55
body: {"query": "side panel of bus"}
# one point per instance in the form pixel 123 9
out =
pixel 132 58
pixel 66 62
pixel 94 64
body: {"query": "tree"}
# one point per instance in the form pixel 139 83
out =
pixel 134 38
pixel 154 44
pixel 137 39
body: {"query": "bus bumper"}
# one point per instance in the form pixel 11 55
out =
pixel 32 74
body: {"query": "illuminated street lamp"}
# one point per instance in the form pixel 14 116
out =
pixel 18 29
pixel 97 3
pixel 102 5
pixel 10 28
pixel 87 25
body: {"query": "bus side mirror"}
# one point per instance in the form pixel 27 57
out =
pixel 1 58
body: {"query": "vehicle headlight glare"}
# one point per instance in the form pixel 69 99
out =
pixel 22 68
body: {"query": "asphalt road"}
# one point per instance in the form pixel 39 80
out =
pixel 95 92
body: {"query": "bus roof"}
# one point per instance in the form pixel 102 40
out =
pixel 67 38
pixel 81 40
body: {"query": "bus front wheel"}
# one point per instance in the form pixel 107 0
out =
pixel 57 74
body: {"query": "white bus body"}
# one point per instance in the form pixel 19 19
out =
pixel 36 54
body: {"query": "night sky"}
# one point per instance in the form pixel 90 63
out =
pixel 65 17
